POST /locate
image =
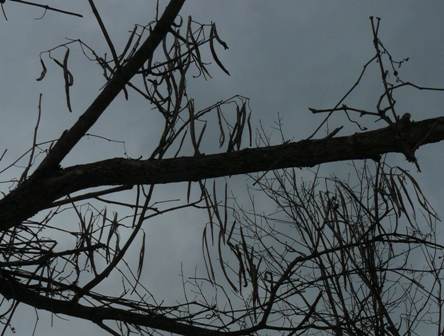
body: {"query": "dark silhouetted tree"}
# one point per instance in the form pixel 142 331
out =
pixel 335 257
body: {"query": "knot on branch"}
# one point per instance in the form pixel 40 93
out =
pixel 403 129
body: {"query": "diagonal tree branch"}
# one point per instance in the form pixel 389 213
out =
pixel 35 195
pixel 71 137
pixel 11 289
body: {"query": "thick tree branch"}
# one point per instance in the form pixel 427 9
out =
pixel 35 195
pixel 11 289
pixel 122 76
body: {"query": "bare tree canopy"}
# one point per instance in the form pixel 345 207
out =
pixel 359 255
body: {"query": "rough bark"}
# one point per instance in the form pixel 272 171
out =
pixel 38 193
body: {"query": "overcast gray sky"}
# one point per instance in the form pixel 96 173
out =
pixel 284 55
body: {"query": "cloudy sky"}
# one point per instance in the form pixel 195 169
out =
pixel 284 55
